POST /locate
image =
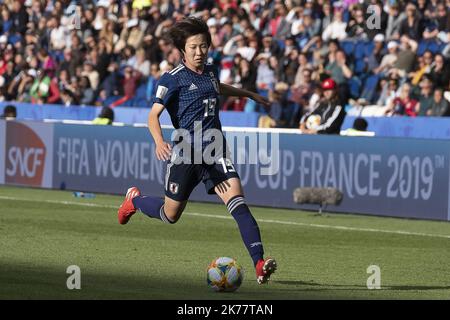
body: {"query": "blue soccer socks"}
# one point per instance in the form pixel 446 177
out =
pixel 247 226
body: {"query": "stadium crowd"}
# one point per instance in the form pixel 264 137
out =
pixel 386 57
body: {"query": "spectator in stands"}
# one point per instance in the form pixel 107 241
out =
pixel 67 64
pixel 443 19
pixel 389 59
pixel 288 67
pixel 301 94
pixel 423 66
pixel 376 56
pixel 270 46
pixel 337 67
pixel 279 27
pixel 247 75
pixel 107 33
pixel 439 107
pixel 265 77
pixel 19 17
pixel 302 65
pixel 9 113
pixel 357 26
pixel 130 84
pixel 440 72
pixel 24 88
pixel 279 114
pixel 141 64
pixel 326 16
pixel 403 104
pixel 131 35
pixel 406 56
pixel 328 116
pixel 425 97
pixel 238 44
pixel 359 128
pixel 311 26
pixel 106 117
pixel 87 93
pixel 412 26
pixel 68 98
pixel 319 53
pixel 336 29
pixel 340 72
pixel 92 74
pixel 57 35
pixel 44 89
pixel 155 74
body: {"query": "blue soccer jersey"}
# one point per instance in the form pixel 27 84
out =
pixel 190 97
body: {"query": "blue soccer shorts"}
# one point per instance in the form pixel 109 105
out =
pixel 181 179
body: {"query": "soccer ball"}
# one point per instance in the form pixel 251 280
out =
pixel 313 121
pixel 224 275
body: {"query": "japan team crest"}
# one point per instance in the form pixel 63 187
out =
pixel 173 187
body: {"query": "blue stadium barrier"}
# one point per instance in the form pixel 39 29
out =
pixel 419 127
pixel 406 127
pixel 127 115
pixel 400 177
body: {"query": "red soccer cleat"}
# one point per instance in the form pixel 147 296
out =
pixel 264 269
pixel 127 209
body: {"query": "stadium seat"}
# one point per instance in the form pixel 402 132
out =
pixel 354 85
pixel 359 50
pixel 360 66
pixel 348 47
pixel 422 47
pixel 433 46
pixel 369 91
pixel 141 91
pixel 368 48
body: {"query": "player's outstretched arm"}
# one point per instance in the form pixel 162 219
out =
pixel 163 149
pixel 227 90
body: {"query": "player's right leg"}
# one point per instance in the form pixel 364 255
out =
pixel 180 181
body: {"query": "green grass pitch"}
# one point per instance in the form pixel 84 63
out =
pixel 42 232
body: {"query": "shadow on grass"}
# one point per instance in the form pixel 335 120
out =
pixel 314 286
pixel 20 280
pixel 25 281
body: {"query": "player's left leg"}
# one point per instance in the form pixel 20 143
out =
pixel 231 193
pixel 181 179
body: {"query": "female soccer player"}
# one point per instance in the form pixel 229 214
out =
pixel 190 93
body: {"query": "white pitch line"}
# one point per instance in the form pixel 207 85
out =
pixel 292 223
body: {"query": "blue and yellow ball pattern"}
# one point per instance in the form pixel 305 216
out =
pixel 224 275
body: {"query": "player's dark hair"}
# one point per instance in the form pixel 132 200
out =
pixel 186 28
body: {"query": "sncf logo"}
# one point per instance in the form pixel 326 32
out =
pixel 25 155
